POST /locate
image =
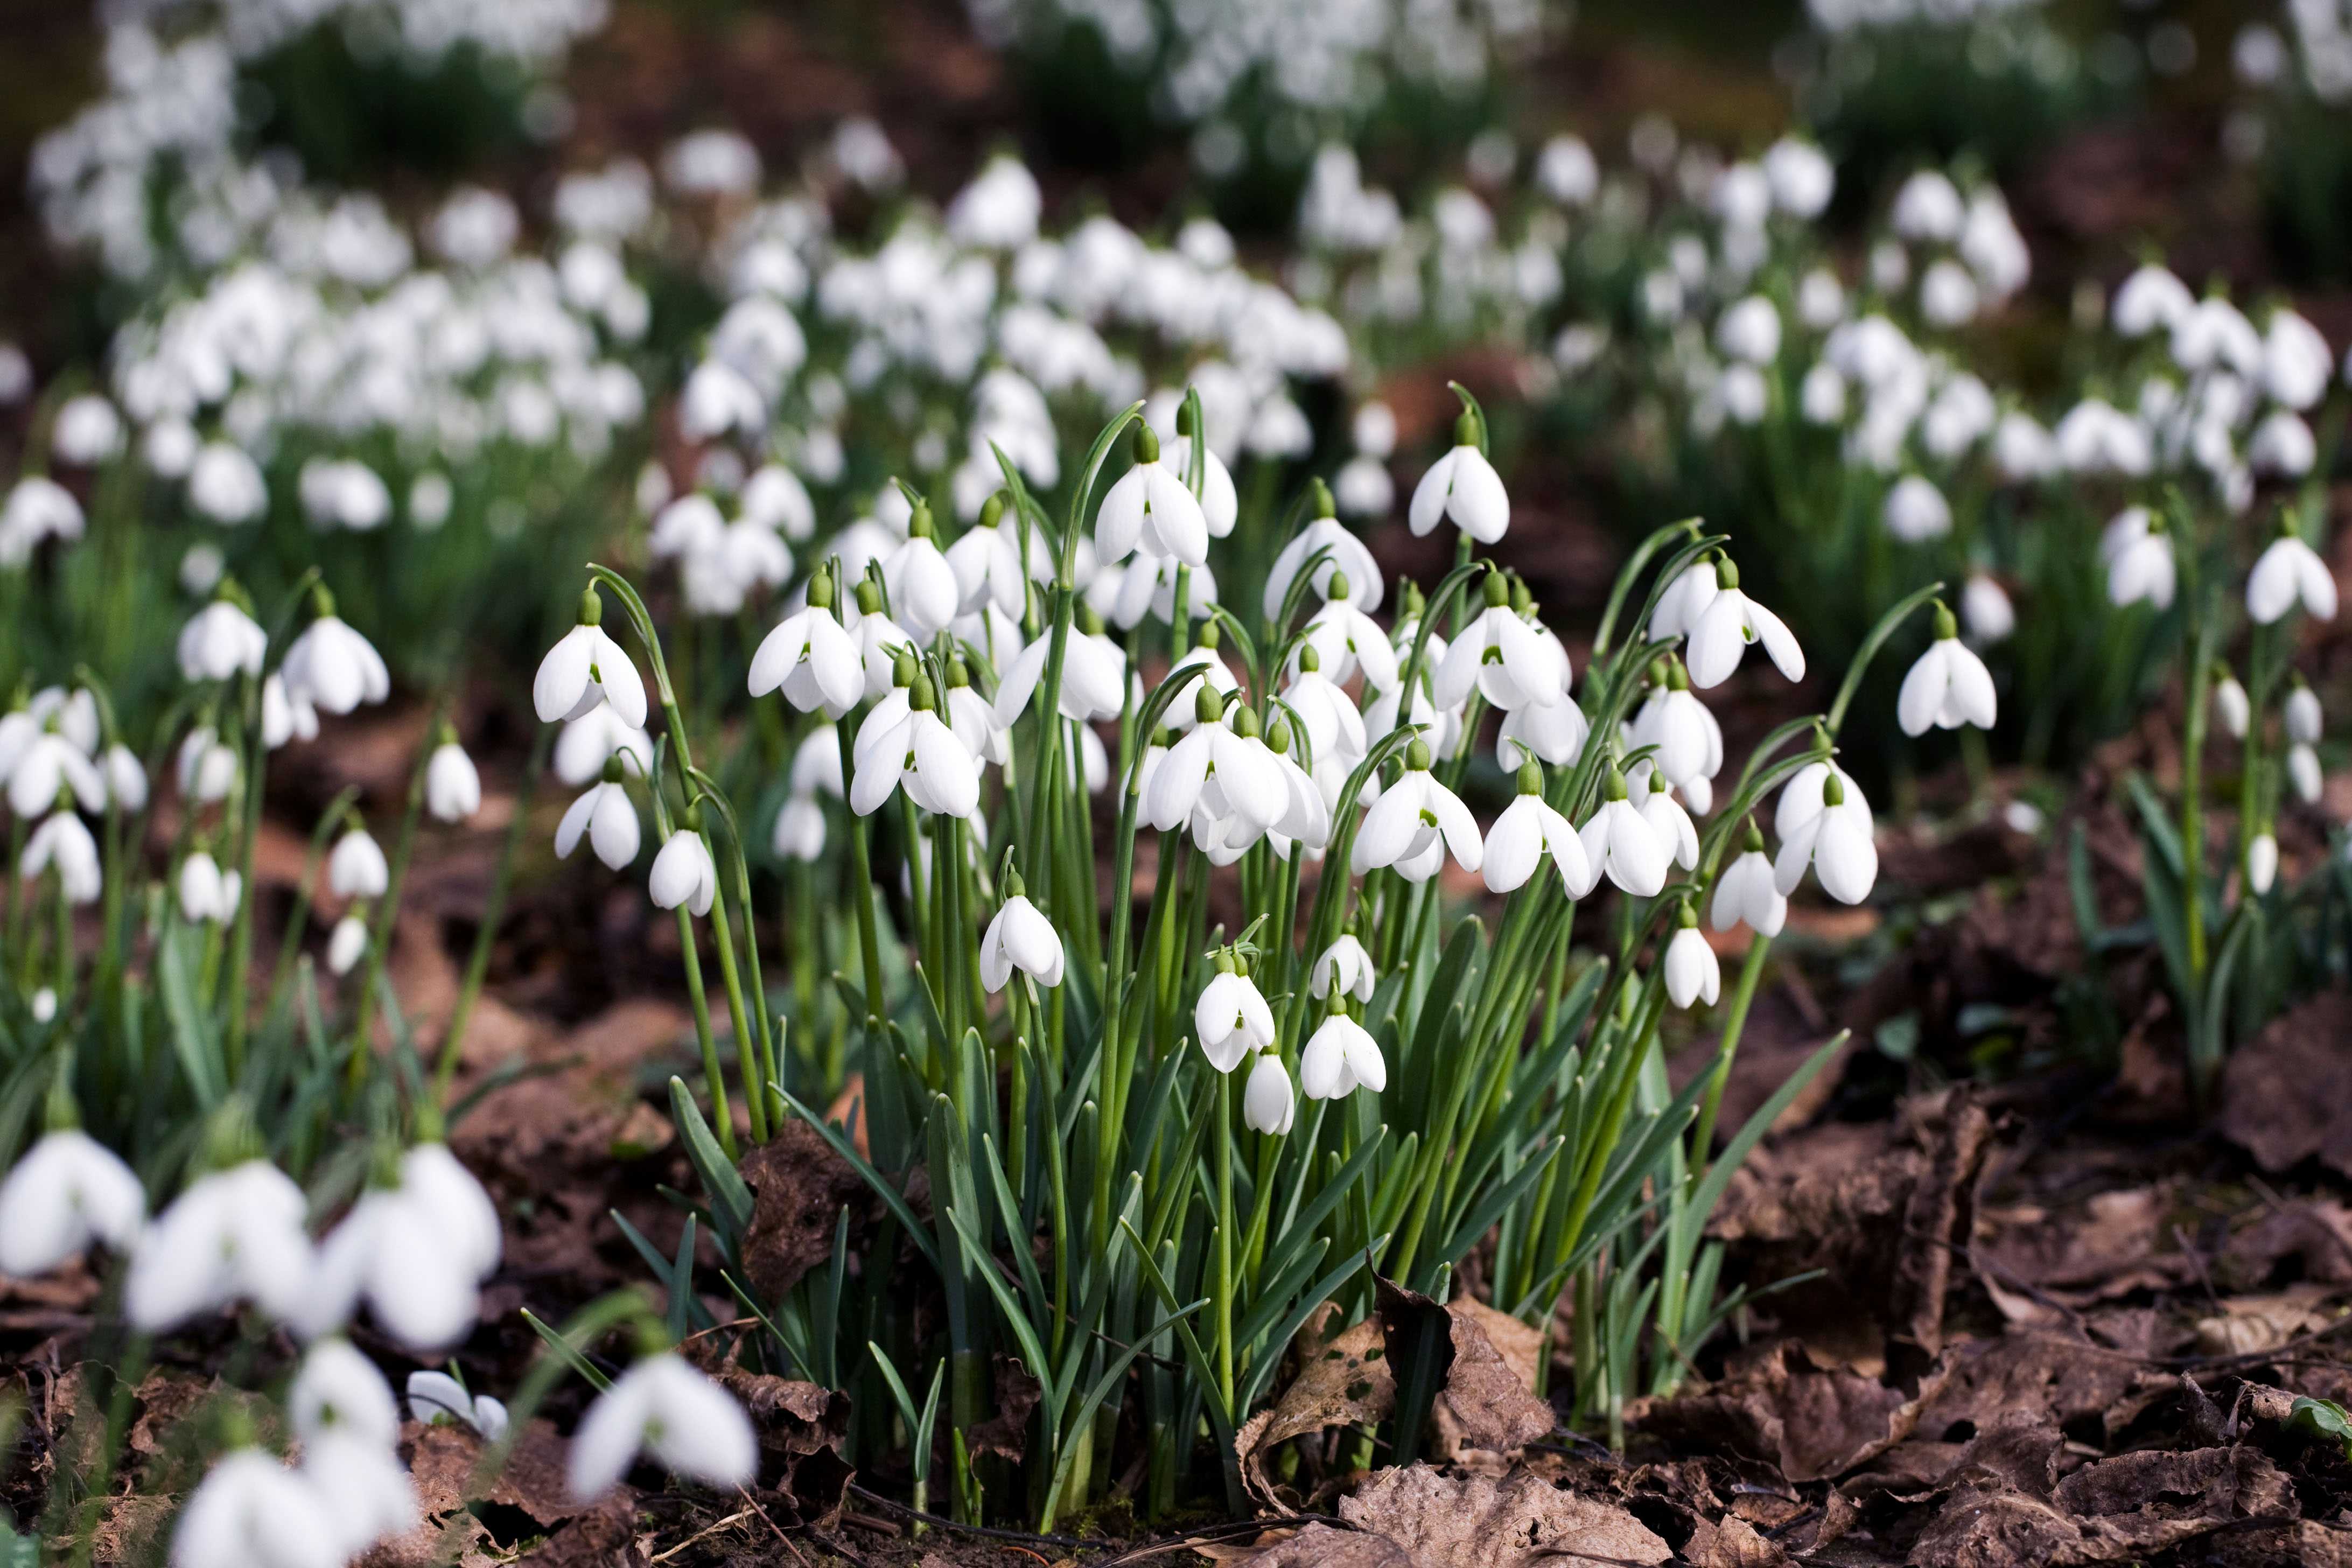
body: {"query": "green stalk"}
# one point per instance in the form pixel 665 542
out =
pixel 1224 1134
pixel 861 890
pixel 1734 1021
pixel 478 962
pixel 747 1044
pixel 387 911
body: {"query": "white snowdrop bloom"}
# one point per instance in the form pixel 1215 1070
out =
pixel 346 945
pixel 1821 396
pixel 169 447
pixel 970 716
pixel 676 1416
pixel 390 1253
pixel 1836 840
pixel 1363 487
pixel 1928 208
pixel 1528 830
pixel 2288 573
pixel 2282 446
pixel 1948 295
pixel 339 1391
pixel 1742 395
pixel 1621 844
pixel 986 563
pixel 2304 719
pixel 219 641
pixel 1093 679
pixel 286 715
pixel 1345 966
pixel 1948 686
pixel 87 431
pixel 880 640
pixel 234 1235
pixel 1693 974
pixel 687 526
pixel 1411 815
pixel 202 567
pixel 1344 556
pixel 1730 623
pixel 799 831
pixel 73 714
pixel 2231 704
pixel 38 508
pixel 1151 506
pixel 1020 936
pixel 583 744
pixel 344 494
pixel 1684 600
pixel 773 497
pixel 437 1396
pixel 999 209
pixel 684 873
pixel 711 163
pixel 2302 773
pixel 811 659
pixel 206 769
pixel 2262 863
pixel 1801 176
pixel 1209 672
pixel 1566 171
pixel 125 776
pixel 920 753
pixel 1340 1058
pixel 1462 488
pixel 356 867
pixel 225 485
pixel 63 844
pixel 205 891
pixel 2295 360
pixel 2139 554
pixel 2022 450
pixel 2151 299
pixel 49 763
pixel 585 668
pixel 1749 331
pixel 1503 657
pixel 1746 891
pixel 1688 741
pixel 1801 796
pixel 2096 438
pixel 68 1191
pixel 2216 333
pixel 717 398
pixel 1915 512
pixel 251 1512
pixel 1267 1103
pixel 1985 609
pixel 1334 729
pixel 1221 505
pixel 607 817
pixel 1346 640
pixel 1230 1020
pixel 1672 824
pixel 1553 735
pixel 1221 762
pixel 332 666
pixel 924 594
pixel 453 786
pixel 461 1212
pixel 372 1497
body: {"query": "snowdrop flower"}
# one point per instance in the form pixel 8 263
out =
pixel 1802 178
pixel 205 891
pixel 2262 862
pixel 1222 761
pixel 1514 664
pixel 250 1512
pixel 1335 729
pixel 987 563
pixel 2304 719
pixel 38 508
pixel 453 787
pixel 920 753
pixel 606 817
pixel 234 1234
pixel 87 431
pixel 346 945
pixel 372 1496
pixel 1230 1020
pixel 390 1252
pixel 584 669
pixel 1684 600
pixel 1346 966
pixel 2302 773
pixel 1267 1103
pixel 330 666
pixel 206 769
pixel 1947 687
pixel 2139 554
pixel 51 763
pixel 1220 502
pixel 1150 505
pixel 1985 609
pixel 2151 299
pixel 1340 1057
pixel 583 746
pixel 169 447
pixel 1623 845
pixel 2022 450
pixel 1948 295
pixel 1554 735
pixel 68 1191
pixel 1730 623
pixel 2230 703
pixel 2281 445
pixel 1821 396
pixel 1413 814
pixel 219 641
pixel 1688 741
pixel 1692 974
pixel 1344 556
pixel 799 832
pixel 1674 828
pixel 1835 839
pixel 1345 639
pixel 125 776
pixel 2290 571
pixel 1021 938
pixel 1915 512
pixel 62 843
pixel 433 1395
pixel 461 1212
pixel 356 869
pixel 1749 331
pixel 2295 360
pixel 286 715
pixel 1746 891
pixel 676 1416
pixel 226 486
pixel 339 1391
pixel 924 595
pixel 1527 831
pixel 811 658
pixel 683 872
pixel 1928 207
pixel 879 640
pixel 1463 488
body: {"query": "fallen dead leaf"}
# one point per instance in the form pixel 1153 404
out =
pixel 1320 1546
pixel 1441 1520
pixel 799 1187
pixel 2111 1510
pixel 2248 1325
pixel 2286 1094
pixel 1007 1431
pixel 1343 1381
pixel 1489 1401
pixel 1812 1422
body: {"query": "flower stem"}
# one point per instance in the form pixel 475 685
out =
pixel 1734 1022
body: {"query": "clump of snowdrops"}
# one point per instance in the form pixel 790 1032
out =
pixel 1281 1058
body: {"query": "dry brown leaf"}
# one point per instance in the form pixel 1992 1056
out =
pixel 1445 1520
pixel 1320 1546
pixel 1489 1402
pixel 1812 1422
pixel 2286 1094
pixel 2248 1325
pixel 799 1187
pixel 1344 1381
pixel 2112 1510
pixel 1007 1431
